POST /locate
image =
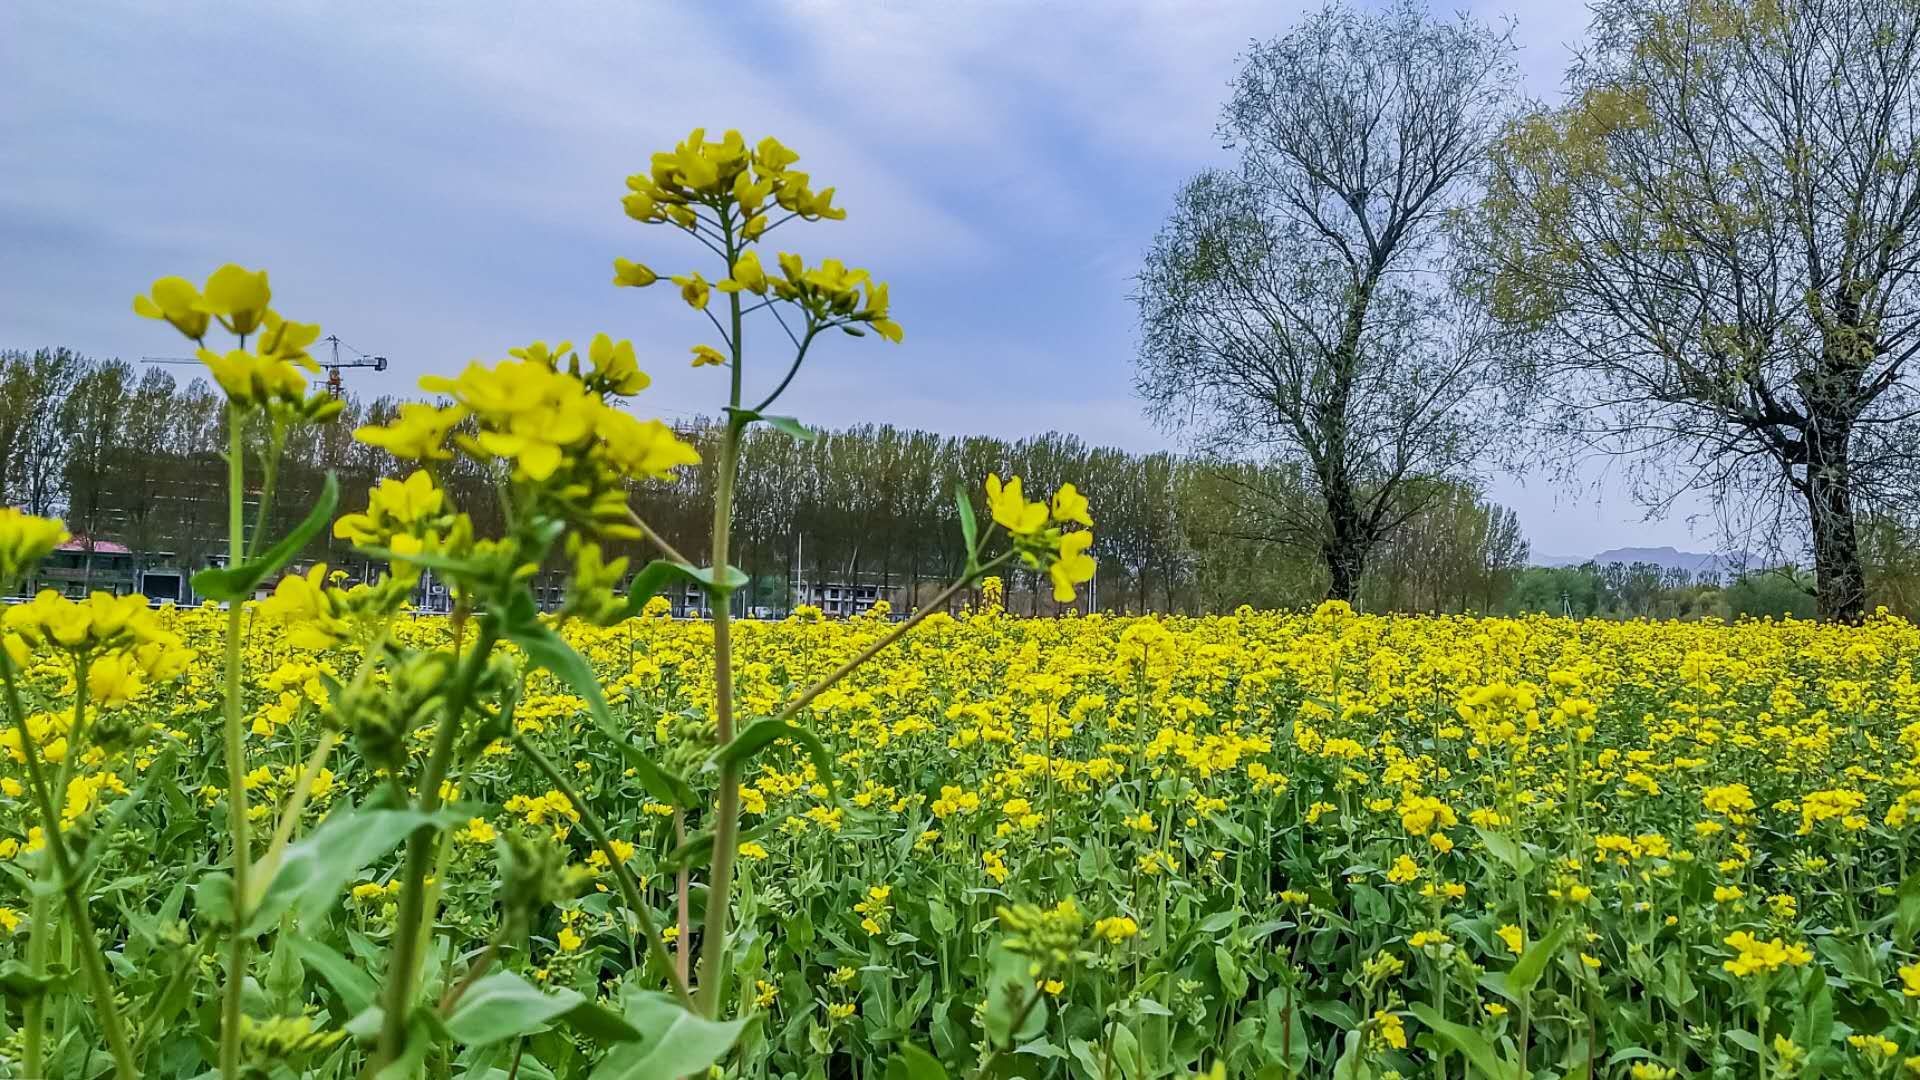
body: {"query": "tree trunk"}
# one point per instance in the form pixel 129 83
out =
pixel 1345 563
pixel 1840 586
pixel 1345 547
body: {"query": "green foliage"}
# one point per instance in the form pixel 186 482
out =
pixel 1774 594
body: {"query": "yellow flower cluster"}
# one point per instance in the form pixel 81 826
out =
pixel 1738 796
pixel 276 371
pixel 24 541
pixel 1036 529
pixel 728 195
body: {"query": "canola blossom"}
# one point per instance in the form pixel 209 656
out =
pixel 1286 828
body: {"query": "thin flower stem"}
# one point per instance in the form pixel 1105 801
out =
pixel 682 901
pixel 39 936
pixel 70 886
pixel 783 323
pixel 421 846
pixel 236 751
pixel 798 359
pixel 629 886
pixel 1019 1020
pixel 655 538
pixel 726 802
pixel 938 603
pixel 777 224
pixel 721 330
pixel 77 734
pixel 302 792
pixel 296 803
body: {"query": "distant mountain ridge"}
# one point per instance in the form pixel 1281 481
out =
pixel 1666 558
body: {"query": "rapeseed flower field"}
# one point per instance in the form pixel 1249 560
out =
pixel 1258 844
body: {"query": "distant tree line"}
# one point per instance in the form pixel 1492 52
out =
pixel 133 456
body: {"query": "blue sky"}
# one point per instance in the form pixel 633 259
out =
pixel 437 182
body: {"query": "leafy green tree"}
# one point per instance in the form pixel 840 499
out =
pixel 1711 259
pixel 1779 593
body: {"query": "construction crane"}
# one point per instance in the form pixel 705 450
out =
pixel 333 365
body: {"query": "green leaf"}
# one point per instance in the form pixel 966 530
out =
pixel 1745 1040
pixel 658 574
pixel 1506 849
pixel 969 528
pixel 1010 990
pixel 413 1057
pixel 213 898
pixel 1813 1028
pixel 1352 1064
pixel 548 650
pixel 913 1063
pixel 695 850
pixel 286 976
pixel 1527 970
pixel 19 983
pixel 314 870
pixel 782 423
pixel 355 987
pixel 647 584
pixel 235 583
pixel 599 1024
pixel 941 917
pixel 1470 1043
pixel 1907 915
pixel 505 1006
pixel 1083 1052
pixel 758 736
pixel 673 1042
pixel 1131 1059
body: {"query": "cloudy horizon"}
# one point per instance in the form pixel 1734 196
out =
pixel 437 184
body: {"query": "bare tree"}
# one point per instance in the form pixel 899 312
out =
pixel 30 406
pixel 92 426
pixel 1711 252
pixel 1295 308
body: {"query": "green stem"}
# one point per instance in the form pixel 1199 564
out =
pixel 726 804
pixel 900 630
pixel 410 922
pixel 799 358
pixel 1019 1021
pixel 236 750
pixel 35 1013
pixel 91 960
pixel 296 803
pixel 77 732
pixel 629 887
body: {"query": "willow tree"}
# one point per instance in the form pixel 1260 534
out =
pixel 1712 250
pixel 1293 308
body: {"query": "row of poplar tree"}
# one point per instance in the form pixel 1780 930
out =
pixel 133 456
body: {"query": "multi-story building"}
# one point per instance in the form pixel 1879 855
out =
pixel 839 598
pixel 81 566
